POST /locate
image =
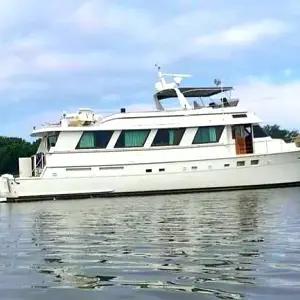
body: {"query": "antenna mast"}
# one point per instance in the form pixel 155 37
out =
pixel 218 82
pixel 163 85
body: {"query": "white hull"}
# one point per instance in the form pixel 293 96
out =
pixel 273 170
pixel 214 147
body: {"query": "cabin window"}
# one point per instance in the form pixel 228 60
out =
pixel 102 138
pixel 208 134
pixel 94 139
pixel 259 132
pixel 132 138
pixel 87 140
pixel 239 116
pixel 168 137
pixel 52 139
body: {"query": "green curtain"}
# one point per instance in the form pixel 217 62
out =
pixel 135 138
pixel 171 136
pixel 205 135
pixel 87 140
pixel 212 134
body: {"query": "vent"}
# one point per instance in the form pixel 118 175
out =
pixel 79 169
pixel 111 168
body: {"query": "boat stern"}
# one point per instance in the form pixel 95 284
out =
pixel 7 189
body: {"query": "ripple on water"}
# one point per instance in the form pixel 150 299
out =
pixel 220 245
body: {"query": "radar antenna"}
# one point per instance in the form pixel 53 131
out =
pixel 162 84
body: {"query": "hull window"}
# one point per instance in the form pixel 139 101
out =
pixel 94 139
pixel 168 137
pixel 209 134
pixel 132 138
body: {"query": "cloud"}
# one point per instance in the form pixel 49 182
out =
pixel 104 17
pixel 244 34
pixel 274 102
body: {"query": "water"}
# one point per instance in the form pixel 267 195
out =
pixel 235 245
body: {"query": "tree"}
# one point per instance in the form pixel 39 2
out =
pixel 276 132
pixel 11 148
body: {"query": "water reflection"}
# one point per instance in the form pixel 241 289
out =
pixel 215 244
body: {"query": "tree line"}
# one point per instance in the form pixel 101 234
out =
pixel 11 148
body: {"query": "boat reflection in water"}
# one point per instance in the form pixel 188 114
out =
pixel 227 245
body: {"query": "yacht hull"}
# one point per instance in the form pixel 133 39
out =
pixel 271 170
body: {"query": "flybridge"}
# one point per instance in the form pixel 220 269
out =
pixel 192 92
pixel 165 90
pixel 86 117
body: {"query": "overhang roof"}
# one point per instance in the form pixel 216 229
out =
pixel 192 92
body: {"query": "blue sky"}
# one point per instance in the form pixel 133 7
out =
pixel 61 55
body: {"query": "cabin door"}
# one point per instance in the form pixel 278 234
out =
pixel 242 134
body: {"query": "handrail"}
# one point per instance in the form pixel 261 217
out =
pixel 39 164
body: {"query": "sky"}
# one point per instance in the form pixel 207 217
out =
pixel 59 55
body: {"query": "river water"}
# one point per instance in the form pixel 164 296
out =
pixel 226 245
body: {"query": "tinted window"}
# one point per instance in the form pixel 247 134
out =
pixel 52 139
pixel 258 132
pixel 102 138
pixel 94 139
pixel 132 138
pixel 239 116
pixel 209 134
pixel 168 137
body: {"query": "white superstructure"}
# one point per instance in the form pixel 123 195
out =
pixel 203 145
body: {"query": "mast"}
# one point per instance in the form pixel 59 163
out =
pixel 218 82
